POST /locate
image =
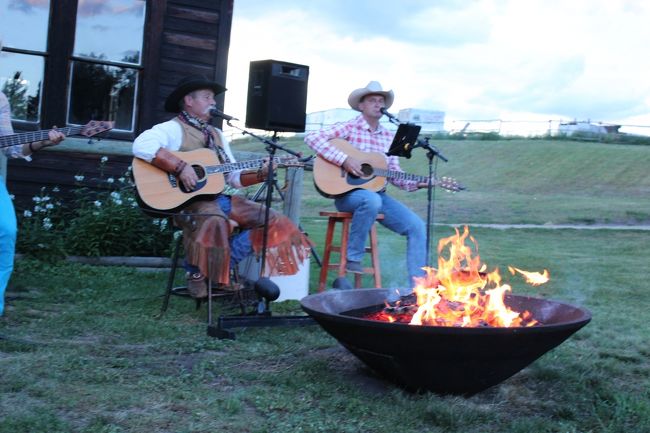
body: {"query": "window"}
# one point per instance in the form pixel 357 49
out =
pixel 21 71
pixel 106 58
pixel 92 73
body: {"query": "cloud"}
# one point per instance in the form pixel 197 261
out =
pixel 28 6
pixel 478 59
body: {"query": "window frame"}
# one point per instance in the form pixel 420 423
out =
pixel 58 59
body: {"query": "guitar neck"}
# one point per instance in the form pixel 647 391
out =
pixel 29 137
pixel 243 165
pixel 400 175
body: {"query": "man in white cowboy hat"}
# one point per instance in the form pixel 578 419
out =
pixel 209 248
pixel 366 134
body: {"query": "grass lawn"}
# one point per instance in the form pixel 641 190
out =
pixel 82 348
pixel 522 181
pixel 84 351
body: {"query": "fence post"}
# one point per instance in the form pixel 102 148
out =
pixel 291 207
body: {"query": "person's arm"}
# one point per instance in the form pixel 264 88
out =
pixel 319 142
pixel 167 135
pixel 54 137
pixel 156 145
pixel 241 178
pixel 407 185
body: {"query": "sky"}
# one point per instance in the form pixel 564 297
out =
pixel 475 60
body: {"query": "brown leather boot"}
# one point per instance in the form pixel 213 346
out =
pixel 196 285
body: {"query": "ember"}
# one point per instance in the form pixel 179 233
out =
pixel 460 293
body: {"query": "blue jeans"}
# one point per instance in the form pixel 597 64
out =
pixel 8 230
pixel 365 205
pixel 240 244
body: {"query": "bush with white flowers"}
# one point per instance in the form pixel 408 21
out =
pixel 107 223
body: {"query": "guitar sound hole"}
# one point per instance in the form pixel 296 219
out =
pixel 366 169
pixel 200 171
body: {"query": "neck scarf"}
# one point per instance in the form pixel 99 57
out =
pixel 204 127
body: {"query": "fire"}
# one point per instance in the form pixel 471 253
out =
pixel 532 278
pixel 462 293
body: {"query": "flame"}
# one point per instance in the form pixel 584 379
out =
pixel 462 293
pixel 532 278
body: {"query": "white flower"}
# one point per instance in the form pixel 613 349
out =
pixel 121 180
pixel 98 203
pixel 79 178
pixel 27 214
pixel 117 201
pixel 49 206
pixel 115 194
pixel 56 189
pixel 47 224
pixel 110 180
pixel 11 196
pixel 95 213
pixel 46 198
pixel 39 209
pixel 104 159
pixel 36 199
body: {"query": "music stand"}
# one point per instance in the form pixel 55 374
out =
pixel 405 140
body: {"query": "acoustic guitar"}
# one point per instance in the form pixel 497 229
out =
pixel 162 191
pixel 90 129
pixel 331 180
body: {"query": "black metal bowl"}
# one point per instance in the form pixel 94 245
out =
pixel 446 360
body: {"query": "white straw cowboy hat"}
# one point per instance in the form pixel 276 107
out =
pixel 373 88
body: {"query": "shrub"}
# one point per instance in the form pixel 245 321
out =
pixel 97 223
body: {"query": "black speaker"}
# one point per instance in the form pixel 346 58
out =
pixel 277 96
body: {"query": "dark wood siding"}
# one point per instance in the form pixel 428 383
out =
pixel 58 168
pixel 192 38
pixel 181 37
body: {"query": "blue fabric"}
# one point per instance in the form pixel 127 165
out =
pixel 365 205
pixel 240 244
pixel 8 230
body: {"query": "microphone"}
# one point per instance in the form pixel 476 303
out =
pixel 218 113
pixel 390 116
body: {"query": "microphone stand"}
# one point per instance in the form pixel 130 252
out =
pixel 432 152
pixel 262 316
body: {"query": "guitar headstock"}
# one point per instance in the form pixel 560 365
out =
pixel 95 127
pixel 450 184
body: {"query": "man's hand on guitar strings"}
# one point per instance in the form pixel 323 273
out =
pixel 188 177
pixel 353 166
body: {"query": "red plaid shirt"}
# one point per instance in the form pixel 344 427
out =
pixel 357 132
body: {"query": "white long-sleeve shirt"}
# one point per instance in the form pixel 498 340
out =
pixel 169 135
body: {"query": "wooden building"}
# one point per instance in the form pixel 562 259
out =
pixel 113 60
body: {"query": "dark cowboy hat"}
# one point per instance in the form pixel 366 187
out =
pixel 187 85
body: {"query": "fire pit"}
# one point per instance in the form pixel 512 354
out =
pixel 442 359
pixel 459 332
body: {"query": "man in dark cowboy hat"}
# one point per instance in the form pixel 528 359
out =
pixel 366 134
pixel 207 241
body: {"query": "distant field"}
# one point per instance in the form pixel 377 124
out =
pixel 522 181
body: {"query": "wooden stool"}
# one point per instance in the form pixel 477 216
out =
pixel 346 218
